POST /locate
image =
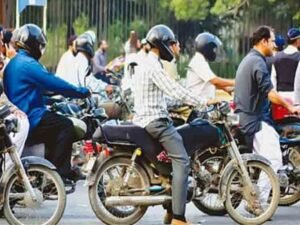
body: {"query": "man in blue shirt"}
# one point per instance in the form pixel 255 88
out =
pixel 253 91
pixel 25 81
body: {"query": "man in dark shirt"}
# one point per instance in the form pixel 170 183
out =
pixel 253 92
pixel 100 61
pixel 286 63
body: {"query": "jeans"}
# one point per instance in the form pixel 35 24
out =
pixel 167 135
pixel 57 133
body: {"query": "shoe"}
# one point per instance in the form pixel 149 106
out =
pixel 75 174
pixel 255 209
pixel 70 185
pixel 168 218
pixel 77 161
pixel 179 222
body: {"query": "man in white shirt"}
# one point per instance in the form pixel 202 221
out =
pixel 74 70
pixel 67 59
pixel 201 80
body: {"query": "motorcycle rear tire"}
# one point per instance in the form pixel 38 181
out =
pixel 100 210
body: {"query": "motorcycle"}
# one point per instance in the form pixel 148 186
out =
pixel 31 191
pixel 132 173
pixel 289 175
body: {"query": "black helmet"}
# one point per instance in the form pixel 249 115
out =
pixel 85 43
pixel 161 37
pixel 208 45
pixel 31 38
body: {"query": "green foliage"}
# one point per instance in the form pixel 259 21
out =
pixel 139 26
pixel 115 38
pixel 188 10
pixel 81 24
pixel 182 64
pixel 202 9
pixel 56 46
pixel 223 6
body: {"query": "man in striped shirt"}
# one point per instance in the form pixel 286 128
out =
pixel 151 85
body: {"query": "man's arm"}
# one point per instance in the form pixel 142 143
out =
pixel 222 83
pixel 175 90
pixel 274 77
pixel 275 98
pixel 49 82
pixel 297 85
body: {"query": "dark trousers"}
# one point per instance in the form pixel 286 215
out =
pixel 57 133
pixel 165 132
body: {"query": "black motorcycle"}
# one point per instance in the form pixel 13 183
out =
pixel 133 172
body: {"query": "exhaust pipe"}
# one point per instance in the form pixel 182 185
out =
pixel 137 200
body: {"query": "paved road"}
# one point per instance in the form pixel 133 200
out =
pixel 79 212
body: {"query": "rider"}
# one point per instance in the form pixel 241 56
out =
pixel 18 138
pixel 253 92
pixel 152 84
pixel 76 72
pixel 25 81
pixel 201 80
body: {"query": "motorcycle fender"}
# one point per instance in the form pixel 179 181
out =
pixel 27 162
pixel 230 167
pixel 37 161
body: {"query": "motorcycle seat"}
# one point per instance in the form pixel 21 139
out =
pixel 197 135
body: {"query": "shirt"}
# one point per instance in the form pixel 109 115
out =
pixel 171 68
pixel 151 86
pixel 289 50
pixel 252 85
pixel 25 80
pixel 64 70
pixel 99 61
pixel 74 70
pixel 198 77
pixel 132 58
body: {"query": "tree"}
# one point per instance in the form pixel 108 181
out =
pixel 201 9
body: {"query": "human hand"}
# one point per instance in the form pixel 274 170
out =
pixel 229 89
pixel 294 110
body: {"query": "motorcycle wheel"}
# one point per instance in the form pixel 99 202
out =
pixel 108 179
pixel 211 203
pixel 291 194
pixel 48 209
pixel 235 185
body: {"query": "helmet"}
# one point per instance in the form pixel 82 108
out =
pixel 208 45
pixel 85 43
pixel 31 38
pixel 161 37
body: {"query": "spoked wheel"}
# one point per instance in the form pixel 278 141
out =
pixel 263 202
pixel 211 203
pixel 109 182
pixel 291 194
pixel 50 203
